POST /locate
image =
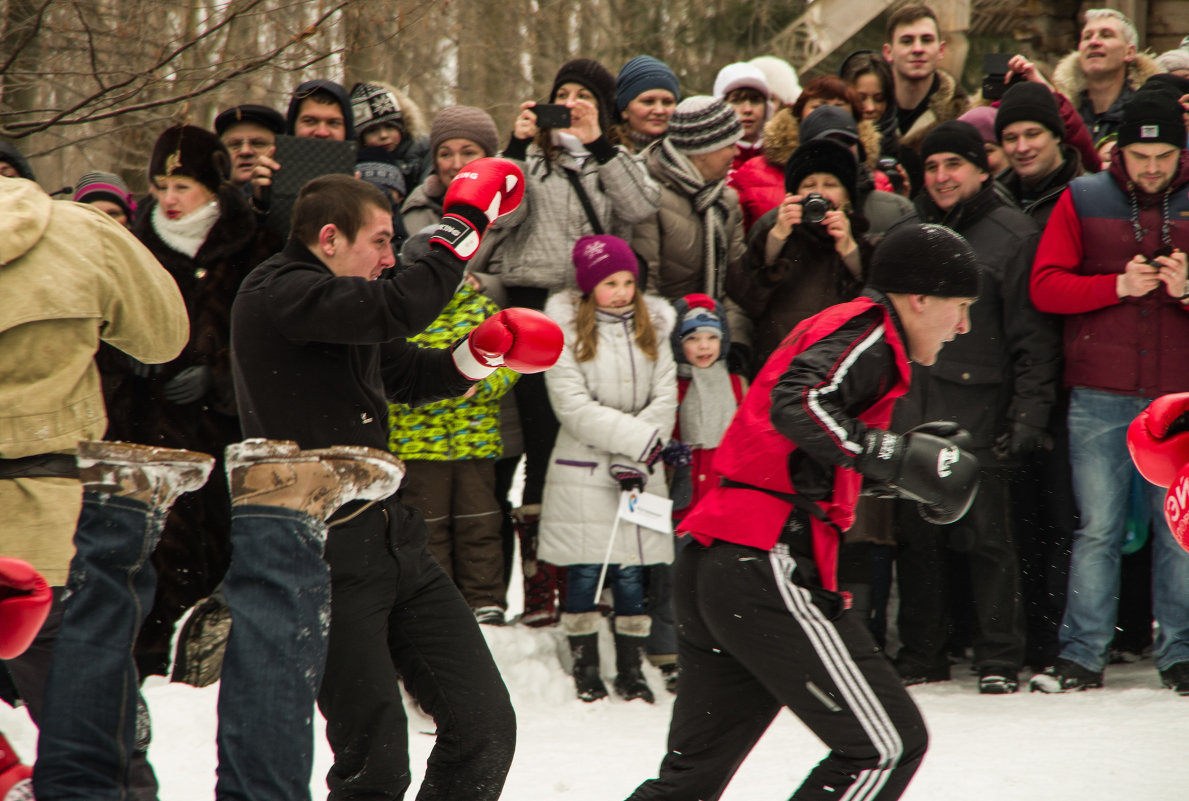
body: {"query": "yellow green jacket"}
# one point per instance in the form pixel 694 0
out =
pixel 455 428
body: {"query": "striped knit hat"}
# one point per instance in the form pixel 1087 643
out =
pixel 94 186
pixel 702 124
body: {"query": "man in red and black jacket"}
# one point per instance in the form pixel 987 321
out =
pixel 760 622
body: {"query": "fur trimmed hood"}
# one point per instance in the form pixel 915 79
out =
pixel 949 102
pixel 562 308
pixel 1071 81
pixel 782 135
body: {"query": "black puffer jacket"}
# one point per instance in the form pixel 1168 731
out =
pixel 1006 368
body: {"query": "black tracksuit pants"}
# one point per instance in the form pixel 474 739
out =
pixel 396 614
pixel 755 636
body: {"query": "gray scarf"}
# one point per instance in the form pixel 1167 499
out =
pixel 707 200
pixel 708 405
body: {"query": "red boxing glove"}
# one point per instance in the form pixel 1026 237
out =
pixel 481 192
pixel 1159 439
pixel 1176 508
pixel 523 340
pixel 25 600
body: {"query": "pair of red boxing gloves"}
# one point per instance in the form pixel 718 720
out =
pixel 523 340
pixel 1159 443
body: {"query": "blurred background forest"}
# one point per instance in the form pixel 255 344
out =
pixel 88 84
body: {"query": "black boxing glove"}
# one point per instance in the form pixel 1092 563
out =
pixel 932 470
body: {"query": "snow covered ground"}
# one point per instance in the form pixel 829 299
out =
pixel 1127 741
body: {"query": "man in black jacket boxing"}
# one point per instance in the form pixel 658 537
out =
pixel 319 351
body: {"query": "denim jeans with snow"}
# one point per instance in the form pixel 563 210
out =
pixel 1102 473
pixel 278 592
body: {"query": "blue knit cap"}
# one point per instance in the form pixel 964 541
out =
pixel 640 75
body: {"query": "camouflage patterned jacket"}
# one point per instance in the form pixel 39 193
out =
pixel 455 428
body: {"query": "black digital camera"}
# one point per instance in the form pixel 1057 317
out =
pixel 814 208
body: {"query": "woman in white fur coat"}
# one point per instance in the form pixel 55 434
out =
pixel 614 391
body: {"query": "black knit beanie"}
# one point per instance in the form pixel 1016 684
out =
pixel 1152 116
pixel 191 152
pixel 595 77
pixel 822 155
pixel 917 259
pixel 1029 102
pixel 957 137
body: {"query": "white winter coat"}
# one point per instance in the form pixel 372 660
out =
pixel 612 410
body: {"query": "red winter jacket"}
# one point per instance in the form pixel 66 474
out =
pixel 835 375
pixel 1133 346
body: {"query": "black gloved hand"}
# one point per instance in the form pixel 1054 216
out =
pixel 1022 438
pixel 739 360
pixel 677 454
pixel 140 369
pixel 189 385
pixel 941 476
pixel 630 479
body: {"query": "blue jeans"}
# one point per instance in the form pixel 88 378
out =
pixel 88 720
pixel 277 589
pixel 1102 473
pixel 626 583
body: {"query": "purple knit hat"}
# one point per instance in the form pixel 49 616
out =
pixel 596 257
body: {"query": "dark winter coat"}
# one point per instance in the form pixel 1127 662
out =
pixel 1038 201
pixel 194 550
pixel 1005 368
pixel 1132 346
pixel 318 357
pixel 807 276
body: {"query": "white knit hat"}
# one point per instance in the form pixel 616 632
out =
pixel 741 75
pixel 782 78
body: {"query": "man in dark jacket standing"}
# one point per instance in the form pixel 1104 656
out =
pixel 1030 128
pixel 1112 262
pixel 319 351
pixel 1000 385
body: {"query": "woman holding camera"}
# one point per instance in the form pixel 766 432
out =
pixel 806 254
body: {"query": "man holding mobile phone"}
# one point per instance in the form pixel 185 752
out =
pixel 1112 261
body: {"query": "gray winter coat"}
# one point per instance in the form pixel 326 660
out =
pixel 537 249
pixel 612 409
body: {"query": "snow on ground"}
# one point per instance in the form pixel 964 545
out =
pixel 1127 741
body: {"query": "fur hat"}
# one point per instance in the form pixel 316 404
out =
pixel 191 152
pixel 703 124
pixel 464 122
pixel 595 77
pixel 928 259
pixel 263 116
pixel 596 257
pixel 642 74
pixel 960 138
pixel 823 155
pixel 1029 102
pixel 372 104
pixel 1152 115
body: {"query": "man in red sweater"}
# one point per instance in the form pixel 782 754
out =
pixel 1112 260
